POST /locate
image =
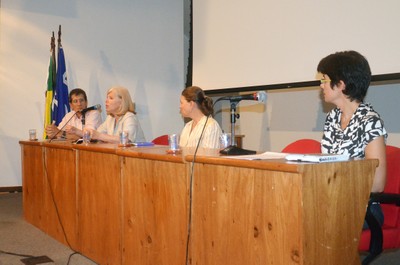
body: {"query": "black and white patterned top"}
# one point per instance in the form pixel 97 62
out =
pixel 365 125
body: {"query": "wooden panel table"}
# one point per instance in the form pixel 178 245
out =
pixel 60 195
pixel 99 202
pixel 273 212
pixel 155 188
pixel 133 205
pixel 49 189
pixel 33 183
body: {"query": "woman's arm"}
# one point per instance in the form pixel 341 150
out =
pixel 377 150
pixel 101 132
pixel 96 135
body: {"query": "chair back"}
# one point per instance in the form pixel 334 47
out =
pixel 303 146
pixel 390 211
pixel 391 225
pixel 161 140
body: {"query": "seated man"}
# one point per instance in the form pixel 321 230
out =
pixel 71 126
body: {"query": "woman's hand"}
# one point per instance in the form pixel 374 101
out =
pixel 95 134
pixel 104 137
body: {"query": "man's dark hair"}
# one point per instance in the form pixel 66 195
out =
pixel 77 92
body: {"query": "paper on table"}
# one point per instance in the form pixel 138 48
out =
pixel 266 155
pixel 143 144
pixel 317 158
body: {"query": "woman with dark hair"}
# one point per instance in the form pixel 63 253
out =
pixel 203 129
pixel 353 127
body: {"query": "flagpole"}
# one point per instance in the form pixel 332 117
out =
pixel 59 37
pixel 60 100
pixel 51 80
pixel 53 53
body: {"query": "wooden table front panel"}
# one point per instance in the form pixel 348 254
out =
pixel 300 213
pixel 60 195
pixel 33 184
pixel 99 206
pixel 245 216
pixel 155 200
pixel 132 206
pixel 335 197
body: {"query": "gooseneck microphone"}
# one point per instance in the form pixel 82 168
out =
pixel 95 107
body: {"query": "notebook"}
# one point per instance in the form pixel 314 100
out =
pixel 317 158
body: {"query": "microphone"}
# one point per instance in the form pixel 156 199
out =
pixel 95 107
pixel 260 96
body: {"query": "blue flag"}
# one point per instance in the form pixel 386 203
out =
pixel 60 101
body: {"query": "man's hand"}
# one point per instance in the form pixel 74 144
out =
pixel 52 130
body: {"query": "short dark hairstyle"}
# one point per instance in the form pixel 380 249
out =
pixel 196 94
pixel 77 92
pixel 350 67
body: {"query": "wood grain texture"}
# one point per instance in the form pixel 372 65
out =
pixel 313 215
pixel 155 211
pixel 132 205
pixel 33 183
pixel 60 195
pixel 335 197
pixel 99 206
pixel 245 216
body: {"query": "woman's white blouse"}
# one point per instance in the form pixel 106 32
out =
pixel 128 122
pixel 210 138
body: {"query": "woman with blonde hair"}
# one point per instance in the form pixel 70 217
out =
pixel 121 116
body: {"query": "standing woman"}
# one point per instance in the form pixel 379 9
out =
pixel 353 127
pixel 194 104
pixel 121 116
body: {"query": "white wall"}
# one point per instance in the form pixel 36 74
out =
pixel 134 43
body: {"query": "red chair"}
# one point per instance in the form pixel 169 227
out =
pixel 161 140
pixel 377 238
pixel 303 146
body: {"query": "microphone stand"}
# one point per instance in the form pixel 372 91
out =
pixel 55 135
pixel 83 118
pixel 233 149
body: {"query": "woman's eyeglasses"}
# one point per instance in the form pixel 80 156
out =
pixel 323 81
